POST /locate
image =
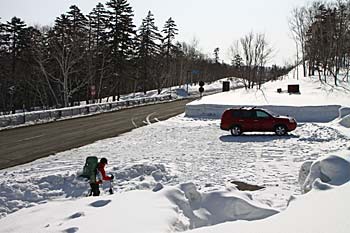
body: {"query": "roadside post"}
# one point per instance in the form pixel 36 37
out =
pixel 201 88
pixel 93 92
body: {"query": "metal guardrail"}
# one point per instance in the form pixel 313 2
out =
pixel 67 113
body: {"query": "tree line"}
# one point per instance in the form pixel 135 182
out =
pixel 102 54
pixel 249 56
pixel 322 35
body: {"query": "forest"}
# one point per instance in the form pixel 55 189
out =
pixel 321 32
pixel 103 54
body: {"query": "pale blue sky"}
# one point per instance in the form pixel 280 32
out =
pixel 214 23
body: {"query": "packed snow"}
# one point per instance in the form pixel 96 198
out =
pixel 177 175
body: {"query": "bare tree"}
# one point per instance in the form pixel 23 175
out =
pixel 256 53
pixel 298 26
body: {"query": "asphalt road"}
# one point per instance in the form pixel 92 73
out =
pixel 25 144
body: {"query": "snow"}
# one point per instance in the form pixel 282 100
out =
pixel 177 175
pixel 317 211
pixel 317 102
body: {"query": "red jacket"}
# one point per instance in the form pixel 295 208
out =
pixel 101 173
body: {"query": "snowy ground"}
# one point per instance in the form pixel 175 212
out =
pixel 172 154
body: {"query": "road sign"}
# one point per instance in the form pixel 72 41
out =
pixel 195 71
pixel 93 90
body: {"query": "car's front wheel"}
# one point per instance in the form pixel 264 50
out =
pixel 280 130
pixel 236 130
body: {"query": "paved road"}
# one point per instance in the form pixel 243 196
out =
pixel 25 144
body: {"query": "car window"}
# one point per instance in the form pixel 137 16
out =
pixel 236 114
pixel 261 114
pixel 241 114
pixel 247 114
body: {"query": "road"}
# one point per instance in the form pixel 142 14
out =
pixel 25 144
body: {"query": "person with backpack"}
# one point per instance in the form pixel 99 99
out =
pixel 100 177
pixel 95 172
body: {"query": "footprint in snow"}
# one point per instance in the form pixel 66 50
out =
pixel 100 203
pixel 76 215
pixel 71 230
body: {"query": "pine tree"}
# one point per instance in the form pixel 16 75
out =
pixel 149 48
pixel 15 33
pixel 216 55
pixel 168 50
pixel 120 35
pixel 97 24
pixel 3 37
pixel 169 31
pixel 237 61
pixel 98 47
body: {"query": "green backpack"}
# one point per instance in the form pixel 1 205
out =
pixel 90 168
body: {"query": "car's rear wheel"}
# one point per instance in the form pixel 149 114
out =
pixel 236 130
pixel 281 130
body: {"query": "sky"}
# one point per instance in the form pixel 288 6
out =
pixel 212 23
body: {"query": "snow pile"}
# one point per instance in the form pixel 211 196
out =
pixel 331 169
pixel 324 209
pixel 317 102
pixel 345 122
pixel 27 187
pixel 171 209
pixel 142 177
pixel 211 208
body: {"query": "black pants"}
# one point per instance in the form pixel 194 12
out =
pixel 95 191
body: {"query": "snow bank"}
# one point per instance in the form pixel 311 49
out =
pixel 301 114
pixel 205 209
pixel 315 212
pixel 171 209
pixel 323 209
pixel 330 169
pixel 345 121
pixel 317 102
pixel 29 190
pixel 43 116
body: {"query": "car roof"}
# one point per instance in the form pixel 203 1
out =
pixel 247 109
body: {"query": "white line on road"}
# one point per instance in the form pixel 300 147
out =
pixel 133 122
pixel 148 118
pixel 30 138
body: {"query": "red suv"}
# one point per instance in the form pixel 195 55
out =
pixel 253 119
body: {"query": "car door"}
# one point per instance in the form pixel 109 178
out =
pixel 264 121
pixel 248 122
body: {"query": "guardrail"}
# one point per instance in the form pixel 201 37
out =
pixel 64 113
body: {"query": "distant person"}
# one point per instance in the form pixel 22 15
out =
pixel 100 177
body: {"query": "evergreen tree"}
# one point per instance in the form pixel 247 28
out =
pixel 168 50
pixel 98 20
pixel 148 50
pixel 169 31
pixel 237 61
pixel 15 33
pixel 216 55
pixel 14 44
pixel 3 37
pixel 120 35
pixel 98 47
